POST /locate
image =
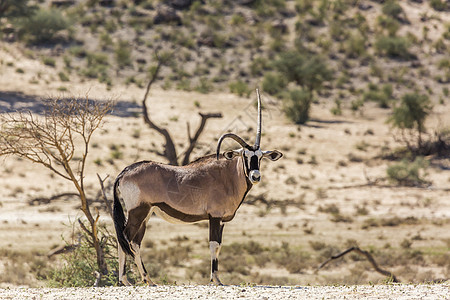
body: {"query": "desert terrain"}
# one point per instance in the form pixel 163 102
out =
pixel 331 204
pixel 329 192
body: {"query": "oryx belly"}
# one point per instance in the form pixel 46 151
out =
pixel 176 219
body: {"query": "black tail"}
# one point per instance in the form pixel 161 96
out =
pixel 120 221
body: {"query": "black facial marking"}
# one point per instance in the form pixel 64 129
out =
pixel 254 163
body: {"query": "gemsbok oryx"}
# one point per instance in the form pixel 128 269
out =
pixel 209 188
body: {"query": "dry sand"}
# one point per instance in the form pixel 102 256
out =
pixel 391 291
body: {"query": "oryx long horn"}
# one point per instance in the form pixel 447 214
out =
pixel 234 137
pixel 258 130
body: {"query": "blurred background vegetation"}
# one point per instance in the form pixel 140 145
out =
pixel 302 51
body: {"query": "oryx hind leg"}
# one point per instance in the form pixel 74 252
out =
pixel 215 243
pixel 136 246
pixel 134 232
pixel 122 267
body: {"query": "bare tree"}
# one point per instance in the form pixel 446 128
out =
pixel 170 152
pixel 59 140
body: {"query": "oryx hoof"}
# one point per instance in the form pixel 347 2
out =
pixel 124 282
pixel 149 282
pixel 215 281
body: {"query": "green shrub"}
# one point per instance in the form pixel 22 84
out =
pixel 298 105
pixel 106 40
pixel 407 173
pixel 258 65
pixel 79 267
pixel 444 64
pixel 204 86
pixel 307 70
pixel 239 87
pixel 355 46
pixel 388 24
pixel 383 97
pixel 411 115
pixel 273 83
pixel 63 76
pixel 439 5
pixel 43 26
pixel 11 9
pixel 123 54
pixel 394 47
pixel 49 61
pixel 392 8
pixel 412 112
pixel 97 59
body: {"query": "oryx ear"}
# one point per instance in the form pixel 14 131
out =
pixel 230 154
pixel 273 155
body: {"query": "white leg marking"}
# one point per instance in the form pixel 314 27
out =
pixel 214 248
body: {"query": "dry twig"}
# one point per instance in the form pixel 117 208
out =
pixel 105 199
pixel 369 258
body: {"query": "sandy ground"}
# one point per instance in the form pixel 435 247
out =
pixel 403 292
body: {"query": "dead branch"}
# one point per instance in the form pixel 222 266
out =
pixel 105 199
pixel 261 198
pixel 369 258
pixel 170 152
pixel 84 228
pixel 169 147
pixel 62 250
pixel 193 140
pixel 46 200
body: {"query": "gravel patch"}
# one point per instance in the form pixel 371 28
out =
pixel 390 291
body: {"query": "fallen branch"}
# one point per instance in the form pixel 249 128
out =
pixel 46 200
pixel 62 250
pixel 369 258
pixel 253 200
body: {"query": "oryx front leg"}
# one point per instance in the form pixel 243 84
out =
pixel 215 243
